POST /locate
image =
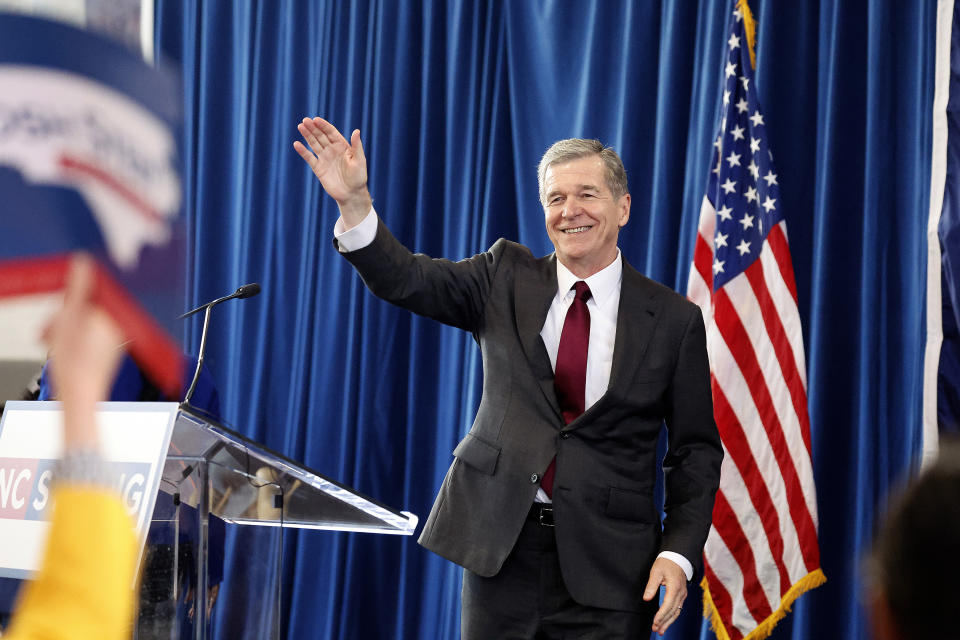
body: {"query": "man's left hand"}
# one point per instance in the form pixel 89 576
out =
pixel 669 574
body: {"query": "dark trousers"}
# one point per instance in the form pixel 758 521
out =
pixel 528 599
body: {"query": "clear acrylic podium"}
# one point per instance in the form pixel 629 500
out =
pixel 213 476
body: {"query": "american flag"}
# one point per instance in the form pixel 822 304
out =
pixel 762 551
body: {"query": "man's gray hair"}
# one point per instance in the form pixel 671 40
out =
pixel 571 149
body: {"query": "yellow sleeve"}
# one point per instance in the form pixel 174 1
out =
pixel 84 588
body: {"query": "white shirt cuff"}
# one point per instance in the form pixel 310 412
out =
pixel 358 236
pixel 680 560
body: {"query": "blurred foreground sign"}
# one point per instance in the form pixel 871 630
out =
pixel 89 162
pixel 134 437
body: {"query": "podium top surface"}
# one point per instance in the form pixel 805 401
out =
pixel 251 485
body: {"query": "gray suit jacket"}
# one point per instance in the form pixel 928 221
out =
pixel 608 528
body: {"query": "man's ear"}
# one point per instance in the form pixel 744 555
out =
pixel 624 204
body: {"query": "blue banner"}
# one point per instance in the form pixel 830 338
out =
pixel 89 161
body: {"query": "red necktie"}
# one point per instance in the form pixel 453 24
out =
pixel 570 374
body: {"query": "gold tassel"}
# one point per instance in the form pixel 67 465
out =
pixel 765 628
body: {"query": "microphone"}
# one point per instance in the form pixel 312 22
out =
pixel 246 291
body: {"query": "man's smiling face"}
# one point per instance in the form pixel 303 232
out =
pixel 583 217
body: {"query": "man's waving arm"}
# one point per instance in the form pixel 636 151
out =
pixel 451 292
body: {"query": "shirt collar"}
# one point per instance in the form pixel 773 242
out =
pixel 602 284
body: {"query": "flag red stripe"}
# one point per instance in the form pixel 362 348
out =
pixel 781 346
pixel 728 528
pixel 735 439
pixel 735 336
pixel 781 251
pixel 721 598
pixel 703 260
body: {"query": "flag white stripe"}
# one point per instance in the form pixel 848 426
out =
pixel 698 292
pixel 737 392
pixel 785 308
pixel 738 497
pixel 748 309
pixel 727 570
pixel 707 224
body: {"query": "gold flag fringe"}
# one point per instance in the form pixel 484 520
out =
pixel 765 628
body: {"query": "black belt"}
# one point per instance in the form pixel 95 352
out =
pixel 542 514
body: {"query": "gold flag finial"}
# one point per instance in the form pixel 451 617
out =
pixel 750 27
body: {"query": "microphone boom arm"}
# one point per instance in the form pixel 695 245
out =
pixel 246 291
pixel 203 349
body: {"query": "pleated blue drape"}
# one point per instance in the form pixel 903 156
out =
pixel 455 102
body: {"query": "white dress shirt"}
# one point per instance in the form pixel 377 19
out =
pixel 603 305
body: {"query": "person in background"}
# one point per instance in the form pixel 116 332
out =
pixel 84 588
pixel 908 598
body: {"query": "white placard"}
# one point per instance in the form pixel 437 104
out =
pixel 134 437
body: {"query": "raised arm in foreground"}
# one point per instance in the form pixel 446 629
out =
pixel 84 587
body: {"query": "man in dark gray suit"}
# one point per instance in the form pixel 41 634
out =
pixel 548 504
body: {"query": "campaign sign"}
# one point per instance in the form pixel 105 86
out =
pixel 89 162
pixel 134 437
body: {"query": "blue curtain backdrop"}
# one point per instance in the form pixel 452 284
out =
pixel 455 102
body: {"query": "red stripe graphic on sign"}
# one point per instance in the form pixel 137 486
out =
pixel 76 166
pixel 149 344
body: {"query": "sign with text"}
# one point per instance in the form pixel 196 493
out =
pixel 134 438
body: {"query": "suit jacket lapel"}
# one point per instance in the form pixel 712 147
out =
pixel 534 289
pixel 636 321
